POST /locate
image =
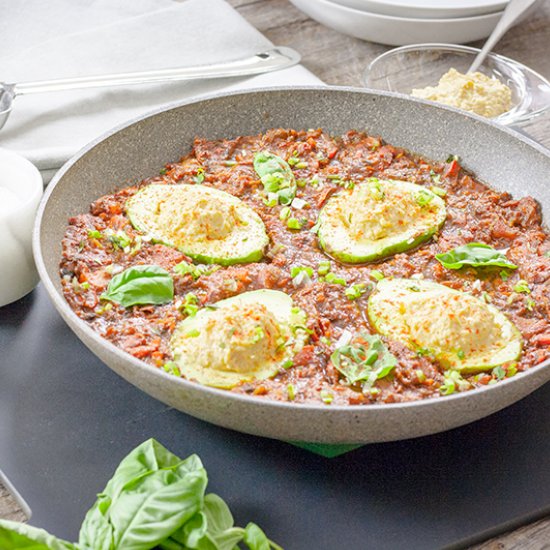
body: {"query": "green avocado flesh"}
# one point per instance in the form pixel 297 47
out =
pixel 251 336
pixel 204 223
pixel 460 331
pixel 378 218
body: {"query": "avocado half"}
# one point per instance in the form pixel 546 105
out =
pixel 251 336
pixel 378 218
pixel 457 329
pixel 206 224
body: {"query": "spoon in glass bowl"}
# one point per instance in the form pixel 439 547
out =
pixel 513 11
pixel 271 60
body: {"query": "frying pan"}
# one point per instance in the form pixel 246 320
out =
pixel 503 159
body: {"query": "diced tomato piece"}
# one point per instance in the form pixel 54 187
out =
pixel 542 339
pixel 452 169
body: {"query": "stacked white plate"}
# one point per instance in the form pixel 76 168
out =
pixel 400 22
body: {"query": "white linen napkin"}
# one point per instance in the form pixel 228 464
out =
pixel 70 38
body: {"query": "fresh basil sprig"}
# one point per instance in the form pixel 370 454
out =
pixel 276 176
pixel 364 363
pixel 475 255
pixel 17 536
pixel 154 500
pixel 142 284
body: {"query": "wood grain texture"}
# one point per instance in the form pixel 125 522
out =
pixel 341 60
pixel 9 506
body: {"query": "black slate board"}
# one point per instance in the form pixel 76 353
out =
pixel 66 420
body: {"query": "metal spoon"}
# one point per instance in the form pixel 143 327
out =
pixel 513 11
pixel 270 60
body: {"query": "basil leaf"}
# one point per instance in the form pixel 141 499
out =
pixel 359 363
pixel 142 284
pixel 227 540
pixel 255 538
pixel 151 495
pixel 211 529
pixel 193 534
pixel 217 513
pixel 20 536
pixel 96 531
pixel 475 255
pixel 276 176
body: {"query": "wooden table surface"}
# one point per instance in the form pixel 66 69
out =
pixel 339 59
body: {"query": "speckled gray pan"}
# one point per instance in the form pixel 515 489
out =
pixel 501 158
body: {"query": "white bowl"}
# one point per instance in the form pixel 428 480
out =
pixel 397 31
pixel 20 191
pixel 428 9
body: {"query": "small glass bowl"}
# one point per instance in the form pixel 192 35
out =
pixel 421 65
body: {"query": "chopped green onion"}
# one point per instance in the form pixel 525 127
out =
pixel 284 213
pixel 423 197
pixel 439 191
pixel 460 354
pixel 193 333
pixel 376 275
pixel 295 270
pixel 259 334
pixel 511 370
pixel 301 275
pixel 499 373
pixel 294 223
pixel 94 234
pixel 294 159
pixel 299 203
pixel 327 397
pixel 196 271
pixel 332 278
pixel 522 286
pixel 420 376
pixel 355 291
pixel 453 381
pixel 172 368
pixel 291 392
pixel 288 363
pixel 436 178
pixel 450 158
pixel 190 304
pixel 530 303
pixel 271 200
pixel 199 178
pixel 119 240
pixel 324 267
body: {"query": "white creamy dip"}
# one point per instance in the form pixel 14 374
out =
pixel 474 92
